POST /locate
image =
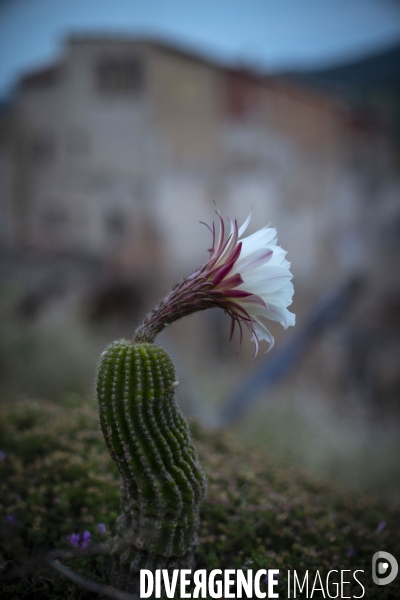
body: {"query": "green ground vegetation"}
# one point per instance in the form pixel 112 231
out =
pixel 57 478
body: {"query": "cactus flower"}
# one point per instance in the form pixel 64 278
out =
pixel 251 278
pixel 248 277
pixel 147 437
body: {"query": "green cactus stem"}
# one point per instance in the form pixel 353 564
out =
pixel 147 437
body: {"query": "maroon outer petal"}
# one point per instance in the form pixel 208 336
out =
pixel 236 294
pixel 220 273
pixel 223 270
pixel 231 282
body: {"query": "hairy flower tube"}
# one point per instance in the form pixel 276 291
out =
pixel 248 277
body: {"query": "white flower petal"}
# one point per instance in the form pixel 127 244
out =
pixel 268 288
pixel 263 333
pixel 253 260
pixel 262 238
pixel 277 313
pixel 265 277
pixel 243 228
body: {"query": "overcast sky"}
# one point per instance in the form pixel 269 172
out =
pixel 267 34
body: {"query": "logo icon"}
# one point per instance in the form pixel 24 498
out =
pixel 384 568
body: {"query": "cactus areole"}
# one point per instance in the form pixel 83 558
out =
pixel 162 481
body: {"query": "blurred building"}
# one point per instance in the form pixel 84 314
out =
pixel 123 142
pixel 118 150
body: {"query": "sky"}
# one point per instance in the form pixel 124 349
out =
pixel 269 35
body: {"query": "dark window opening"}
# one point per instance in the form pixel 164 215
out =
pixel 43 148
pixel 46 78
pixel 77 142
pixel 54 217
pixel 121 76
pixel 242 95
pixel 115 224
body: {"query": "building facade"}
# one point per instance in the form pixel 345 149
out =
pixel 126 142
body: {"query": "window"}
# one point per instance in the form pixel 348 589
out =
pixel 242 95
pixel 46 78
pixel 54 217
pixel 120 75
pixel 77 142
pixel 43 148
pixel 115 224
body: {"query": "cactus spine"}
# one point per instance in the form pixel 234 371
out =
pixel 147 437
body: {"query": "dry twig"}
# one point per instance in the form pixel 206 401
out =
pixel 12 570
pixel 90 585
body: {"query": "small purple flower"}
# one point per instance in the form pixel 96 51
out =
pixel 11 520
pixel 85 539
pixel 17 497
pixel 56 500
pixel 381 526
pixel 350 552
pixel 80 540
pixel 74 539
pixel 3 455
pixel 102 528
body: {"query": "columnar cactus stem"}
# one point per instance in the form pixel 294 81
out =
pixel 162 482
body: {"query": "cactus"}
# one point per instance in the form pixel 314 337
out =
pixel 147 437
pixel 162 482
